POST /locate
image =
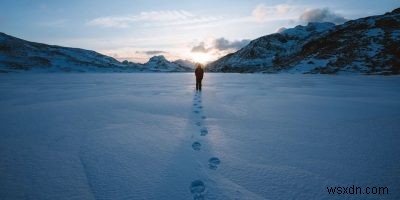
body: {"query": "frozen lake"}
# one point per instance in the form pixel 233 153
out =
pixel 151 136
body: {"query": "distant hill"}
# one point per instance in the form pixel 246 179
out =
pixel 368 45
pixel 161 64
pixel 17 55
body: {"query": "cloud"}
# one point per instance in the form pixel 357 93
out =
pixel 260 12
pixel 296 13
pixel 219 45
pixel 322 15
pixel 115 22
pixel 155 52
pixel 137 55
pixel 280 30
pixel 224 44
pixel 200 48
pixel 263 12
pixel 167 18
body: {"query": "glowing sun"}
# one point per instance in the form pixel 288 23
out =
pixel 202 58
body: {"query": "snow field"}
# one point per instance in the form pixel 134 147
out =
pixel 151 136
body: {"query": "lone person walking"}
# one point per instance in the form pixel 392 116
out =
pixel 199 72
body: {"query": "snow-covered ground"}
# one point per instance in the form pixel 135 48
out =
pixel 151 136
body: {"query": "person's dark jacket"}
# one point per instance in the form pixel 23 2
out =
pixel 199 73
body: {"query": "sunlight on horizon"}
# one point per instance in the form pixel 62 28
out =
pixel 202 58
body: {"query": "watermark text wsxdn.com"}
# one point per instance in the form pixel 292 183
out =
pixel 355 190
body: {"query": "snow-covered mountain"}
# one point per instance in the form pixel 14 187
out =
pixel 161 64
pixel 368 45
pixel 262 52
pixel 17 55
pixel 185 63
pixel 21 55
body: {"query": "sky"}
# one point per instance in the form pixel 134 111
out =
pixel 200 31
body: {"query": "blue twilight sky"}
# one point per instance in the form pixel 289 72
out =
pixel 200 30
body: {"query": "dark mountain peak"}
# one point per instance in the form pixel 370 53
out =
pixel 158 58
pixel 161 64
pixel 396 11
pixel 310 28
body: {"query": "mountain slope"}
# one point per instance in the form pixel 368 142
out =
pixel 367 45
pixel 17 55
pixel 185 63
pixel 20 55
pixel 261 52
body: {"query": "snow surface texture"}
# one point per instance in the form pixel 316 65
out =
pixel 151 136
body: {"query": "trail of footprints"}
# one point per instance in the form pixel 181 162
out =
pixel 197 187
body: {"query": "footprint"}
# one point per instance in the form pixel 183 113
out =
pixel 213 163
pixel 198 123
pixel 196 146
pixel 196 111
pixel 197 189
pixel 200 107
pixel 203 131
pixel 195 104
pixel 203 117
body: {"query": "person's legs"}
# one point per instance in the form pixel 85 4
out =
pixel 197 84
pixel 200 84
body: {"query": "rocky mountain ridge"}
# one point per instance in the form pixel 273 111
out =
pixel 368 45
